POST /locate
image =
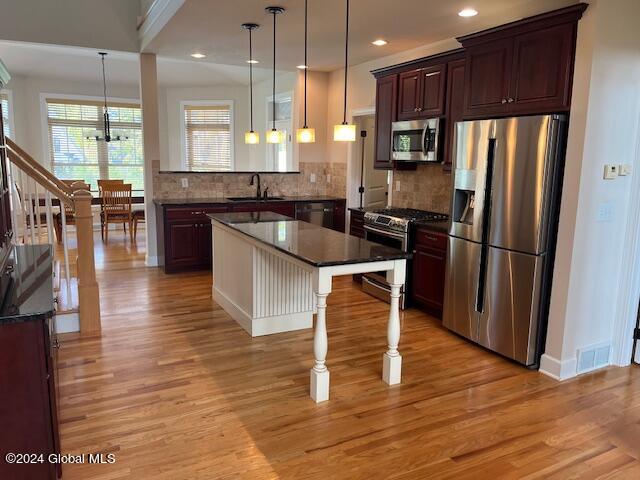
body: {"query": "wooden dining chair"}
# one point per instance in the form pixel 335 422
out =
pixel 116 207
pixel 101 184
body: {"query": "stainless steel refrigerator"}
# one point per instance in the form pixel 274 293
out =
pixel 502 236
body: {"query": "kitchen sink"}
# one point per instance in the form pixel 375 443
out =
pixel 253 199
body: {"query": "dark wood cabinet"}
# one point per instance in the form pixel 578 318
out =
pixel 488 78
pixel 454 107
pixel 428 270
pixel 421 92
pixel 432 91
pixel 185 242
pixel 28 381
pixel 542 71
pixel 408 95
pixel 356 224
pixel 525 67
pixel 386 98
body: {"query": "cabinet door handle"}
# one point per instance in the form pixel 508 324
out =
pixel 415 109
pixel 511 100
pixel 504 100
pixel 197 213
pixel 419 109
pixel 431 238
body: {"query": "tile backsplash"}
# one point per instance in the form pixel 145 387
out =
pixel 330 180
pixel 426 188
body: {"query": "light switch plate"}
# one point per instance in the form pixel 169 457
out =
pixel 624 170
pixel 610 172
pixel 312 178
pixel 397 185
pixel 185 182
pixel 328 178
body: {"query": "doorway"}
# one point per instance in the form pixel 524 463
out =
pixel 374 183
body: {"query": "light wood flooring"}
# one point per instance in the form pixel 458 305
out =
pixel 177 390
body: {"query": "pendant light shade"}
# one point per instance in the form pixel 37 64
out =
pixel 251 137
pixel 305 134
pixel 274 135
pixel 105 135
pixel 345 132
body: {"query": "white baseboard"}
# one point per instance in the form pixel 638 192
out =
pixel 257 327
pixel 151 260
pixel 560 370
pixel 67 322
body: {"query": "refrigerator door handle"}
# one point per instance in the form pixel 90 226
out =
pixel 486 216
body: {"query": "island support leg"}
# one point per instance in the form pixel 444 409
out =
pixel 392 360
pixel 319 376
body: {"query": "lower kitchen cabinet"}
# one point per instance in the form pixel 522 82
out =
pixel 356 225
pixel 185 238
pixel 429 265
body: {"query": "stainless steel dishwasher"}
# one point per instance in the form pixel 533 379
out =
pixel 317 213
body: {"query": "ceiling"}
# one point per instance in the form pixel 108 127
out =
pixel 82 64
pixel 213 28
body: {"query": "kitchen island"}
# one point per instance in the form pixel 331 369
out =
pixel 270 272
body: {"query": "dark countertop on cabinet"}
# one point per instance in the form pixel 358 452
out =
pixel 309 243
pixel 226 201
pixel 27 289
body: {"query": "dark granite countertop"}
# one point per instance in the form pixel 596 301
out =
pixel 27 292
pixel 225 201
pixel 309 243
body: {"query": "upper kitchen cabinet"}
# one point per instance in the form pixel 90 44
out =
pixel 386 96
pixel 454 106
pixel 524 67
pixel 421 92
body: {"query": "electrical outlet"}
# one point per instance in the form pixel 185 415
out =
pixel 610 172
pixel 397 185
pixel 185 182
pixel 312 178
pixel 328 178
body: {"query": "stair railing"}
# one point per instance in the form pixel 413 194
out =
pixel 35 188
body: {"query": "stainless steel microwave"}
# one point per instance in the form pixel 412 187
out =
pixel 415 140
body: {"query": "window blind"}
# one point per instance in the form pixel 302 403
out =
pixel 73 156
pixel 4 101
pixel 208 137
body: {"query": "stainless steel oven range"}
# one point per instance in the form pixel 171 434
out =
pixel 394 227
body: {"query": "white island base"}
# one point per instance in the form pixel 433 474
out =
pixel 261 291
pixel 268 290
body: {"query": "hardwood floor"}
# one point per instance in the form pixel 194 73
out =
pixel 177 390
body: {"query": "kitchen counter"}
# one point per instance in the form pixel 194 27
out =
pixel 225 201
pixel 271 272
pixel 27 291
pixel 309 243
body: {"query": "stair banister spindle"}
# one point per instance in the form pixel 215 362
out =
pixel 36 194
pixel 65 248
pixel 49 215
pixel 32 230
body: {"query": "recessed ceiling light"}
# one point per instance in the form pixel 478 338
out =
pixel 253 61
pixel 468 12
pixel 198 55
pixel 379 42
pixel 302 67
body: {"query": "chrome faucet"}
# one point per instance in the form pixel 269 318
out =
pixel 258 190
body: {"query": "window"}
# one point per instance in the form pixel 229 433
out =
pixel 208 139
pixel 4 101
pixel 279 155
pixel 73 156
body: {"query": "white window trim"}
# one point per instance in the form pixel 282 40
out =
pixel 183 127
pixel 44 123
pixel 12 124
pixel 288 95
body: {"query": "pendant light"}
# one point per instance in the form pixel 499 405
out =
pixel 274 135
pixel 251 137
pixel 305 134
pixel 345 132
pixel 105 134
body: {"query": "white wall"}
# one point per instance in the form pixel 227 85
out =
pixel 171 154
pixel 592 255
pixel 27 106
